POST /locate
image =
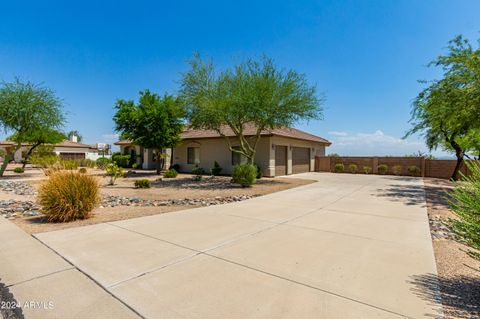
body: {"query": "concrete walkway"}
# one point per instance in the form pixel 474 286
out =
pixel 44 285
pixel 348 246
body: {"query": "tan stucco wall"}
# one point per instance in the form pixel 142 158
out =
pixel 216 149
pixel 318 150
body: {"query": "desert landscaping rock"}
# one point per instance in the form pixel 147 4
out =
pixel 438 229
pixel 113 201
pixel 12 209
pixel 18 188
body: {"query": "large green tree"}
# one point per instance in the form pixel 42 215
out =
pixel 40 136
pixel 155 122
pixel 253 93
pixel 447 111
pixel 29 112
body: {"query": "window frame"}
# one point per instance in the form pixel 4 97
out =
pixel 196 155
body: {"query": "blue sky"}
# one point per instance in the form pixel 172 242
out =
pixel 365 56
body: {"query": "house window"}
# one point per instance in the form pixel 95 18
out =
pixel 193 155
pixel 238 158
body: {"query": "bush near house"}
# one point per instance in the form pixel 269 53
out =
pixel 18 170
pixel 245 174
pixel 216 169
pixel 102 162
pixel 67 196
pixel 175 167
pixel 339 168
pixel 142 183
pixel 465 203
pixel 171 173
pixel 382 169
pixel 367 169
pixel 397 170
pixel 259 172
pixel 414 170
pixel 122 160
pixel 198 172
pixel 353 168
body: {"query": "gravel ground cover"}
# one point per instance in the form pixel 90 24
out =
pixel 458 274
pixel 124 201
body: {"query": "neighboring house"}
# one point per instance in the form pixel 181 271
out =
pixel 280 151
pixel 68 149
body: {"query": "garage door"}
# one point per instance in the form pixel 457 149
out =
pixel 280 160
pixel 300 160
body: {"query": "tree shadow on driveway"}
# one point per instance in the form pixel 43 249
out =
pixel 460 295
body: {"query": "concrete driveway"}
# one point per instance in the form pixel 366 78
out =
pixel 347 246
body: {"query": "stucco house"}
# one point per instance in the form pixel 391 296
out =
pixel 281 151
pixel 67 149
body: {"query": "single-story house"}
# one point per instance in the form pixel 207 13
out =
pixel 281 151
pixel 67 149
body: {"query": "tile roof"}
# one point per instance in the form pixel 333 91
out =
pixel 65 143
pixel 288 132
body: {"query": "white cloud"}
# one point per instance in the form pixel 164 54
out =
pixel 376 144
pixel 335 133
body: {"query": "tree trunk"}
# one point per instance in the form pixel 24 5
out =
pixel 7 158
pixel 459 154
pixel 27 156
pixel 158 163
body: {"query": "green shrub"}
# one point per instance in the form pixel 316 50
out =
pixel 171 173
pixel 367 169
pixel 216 169
pixel 259 172
pixel 135 166
pixel 353 168
pixel 114 172
pixel 69 164
pixel 67 196
pixel 397 170
pixel 122 160
pixel 82 170
pixel 414 170
pixel 382 169
pixel 102 162
pixel 465 203
pixel 244 175
pixel 198 172
pixel 142 183
pixel 176 167
pixel 339 168
pixel 18 170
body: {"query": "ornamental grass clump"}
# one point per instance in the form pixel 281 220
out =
pixel 67 196
pixel 465 203
pixel 367 169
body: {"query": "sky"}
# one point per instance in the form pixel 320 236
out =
pixel 365 57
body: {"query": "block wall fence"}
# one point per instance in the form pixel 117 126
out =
pixel 428 167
